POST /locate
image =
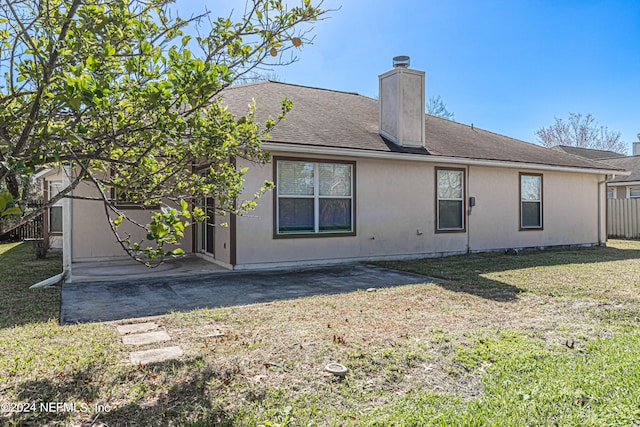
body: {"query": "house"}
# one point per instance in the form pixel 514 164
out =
pixel 363 179
pixel 620 186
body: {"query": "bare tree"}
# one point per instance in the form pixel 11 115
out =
pixel 259 77
pixel 581 131
pixel 437 107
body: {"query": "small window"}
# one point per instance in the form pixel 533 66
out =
pixel 611 192
pixel 314 197
pixel 450 199
pixel 530 201
pixel 55 211
pixel 634 192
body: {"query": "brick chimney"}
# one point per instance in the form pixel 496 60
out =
pixel 402 101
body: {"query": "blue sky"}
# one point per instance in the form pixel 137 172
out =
pixel 508 66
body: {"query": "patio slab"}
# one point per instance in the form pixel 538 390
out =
pixel 118 269
pixel 132 297
pixel 146 338
pixel 155 355
pixel 136 328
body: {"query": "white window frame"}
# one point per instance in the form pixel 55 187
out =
pixel 456 199
pixel 316 199
pixel 629 189
pixel 58 204
pixel 614 192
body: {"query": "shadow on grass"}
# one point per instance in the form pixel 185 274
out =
pixel 189 401
pixel 465 273
pixel 20 269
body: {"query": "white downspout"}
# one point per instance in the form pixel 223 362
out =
pixel 602 241
pixel 67 224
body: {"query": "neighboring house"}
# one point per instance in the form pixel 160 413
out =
pixel 362 179
pixel 618 186
pixel 49 184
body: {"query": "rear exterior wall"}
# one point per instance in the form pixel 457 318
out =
pixel 395 215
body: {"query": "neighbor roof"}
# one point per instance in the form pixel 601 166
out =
pixel 588 153
pixel 628 163
pixel 328 118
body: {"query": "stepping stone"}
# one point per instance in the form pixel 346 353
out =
pixel 146 338
pixel 155 355
pixel 136 328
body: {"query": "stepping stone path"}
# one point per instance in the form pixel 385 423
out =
pixel 138 334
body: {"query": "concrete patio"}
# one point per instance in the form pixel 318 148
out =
pixel 127 268
pixel 132 293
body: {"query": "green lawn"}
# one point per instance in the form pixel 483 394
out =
pixel 540 339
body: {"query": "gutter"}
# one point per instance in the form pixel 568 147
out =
pixel 332 151
pixel 621 183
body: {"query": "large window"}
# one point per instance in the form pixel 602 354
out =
pixel 450 199
pixel 530 201
pixel 55 211
pixel 314 198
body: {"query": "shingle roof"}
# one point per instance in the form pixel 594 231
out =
pixel 628 163
pixel 328 118
pixel 588 153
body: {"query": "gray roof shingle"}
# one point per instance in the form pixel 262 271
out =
pixel 588 153
pixel 628 163
pixel 328 118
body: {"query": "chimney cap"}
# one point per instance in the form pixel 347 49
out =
pixel 402 61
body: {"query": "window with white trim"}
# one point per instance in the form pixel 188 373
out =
pixel 611 192
pixel 314 197
pixel 634 192
pixel 450 199
pixel 55 211
pixel 530 201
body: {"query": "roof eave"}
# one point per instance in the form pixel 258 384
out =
pixel 335 151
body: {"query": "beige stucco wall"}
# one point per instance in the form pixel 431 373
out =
pixel 395 215
pixel 393 205
pixel 92 237
pixel 222 241
pixel 570 214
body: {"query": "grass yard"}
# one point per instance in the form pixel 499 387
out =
pixel 538 339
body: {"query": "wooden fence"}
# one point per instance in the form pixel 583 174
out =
pixel 30 230
pixel 623 218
